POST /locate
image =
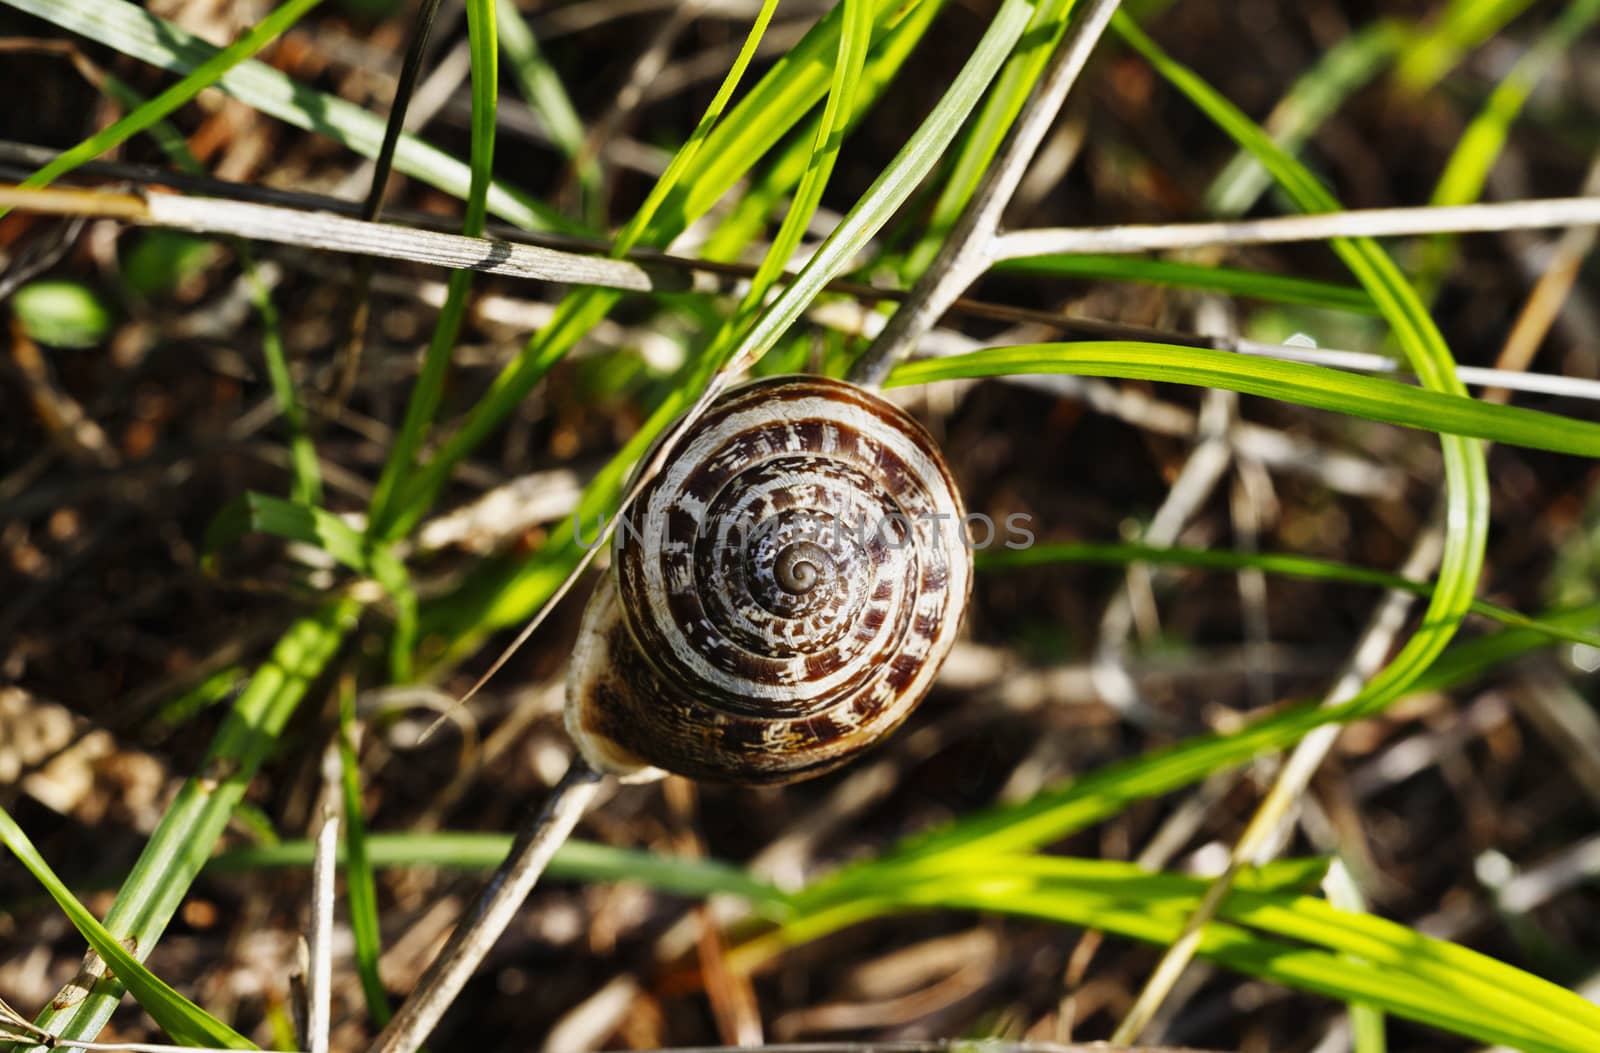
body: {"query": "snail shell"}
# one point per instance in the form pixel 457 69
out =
pixel 781 595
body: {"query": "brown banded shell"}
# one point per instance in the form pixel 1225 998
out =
pixel 781 595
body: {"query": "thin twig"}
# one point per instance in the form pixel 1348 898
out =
pixel 324 864
pixel 1352 223
pixel 966 252
pixel 492 911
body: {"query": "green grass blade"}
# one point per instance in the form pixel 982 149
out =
pixel 1275 288
pixel 180 1018
pixel 854 38
pixel 683 161
pixel 204 75
pixel 1371 398
pixel 890 190
pixel 1481 145
pixel 574 861
pixel 360 888
pixel 749 216
pixel 543 91
pixel 1266 928
pixel 989 128
pixel 194 821
pixel 305 476
pixel 1303 567
pixel 1317 95
pixel 130 30
pixel 428 391
pixel 1463 27
pixel 252 512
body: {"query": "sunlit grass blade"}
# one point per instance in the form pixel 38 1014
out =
pixel 1315 96
pixel 180 1018
pixel 1465 517
pixel 1267 927
pixel 1463 26
pixel 574 861
pixel 195 819
pixel 988 129
pixel 854 37
pixel 1481 145
pixel 1371 398
pixel 1307 568
pixel 1268 931
pixel 889 191
pixel 748 217
pixel 1064 810
pixel 1275 288
pixel 130 30
pixel 428 390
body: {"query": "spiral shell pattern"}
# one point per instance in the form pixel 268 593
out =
pixel 783 594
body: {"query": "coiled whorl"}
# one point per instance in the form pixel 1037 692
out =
pixel 781 594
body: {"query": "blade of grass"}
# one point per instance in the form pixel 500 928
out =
pixel 253 512
pixel 574 861
pixel 989 127
pixel 854 37
pixel 1371 398
pixel 1275 288
pixel 130 30
pixel 1480 146
pixel 428 391
pixel 1316 96
pixel 543 91
pixel 180 1018
pixel 1463 27
pixel 191 825
pixel 1272 563
pixel 749 216
pixel 204 75
pixel 1267 928
pixel 1466 479
pixel 1064 810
